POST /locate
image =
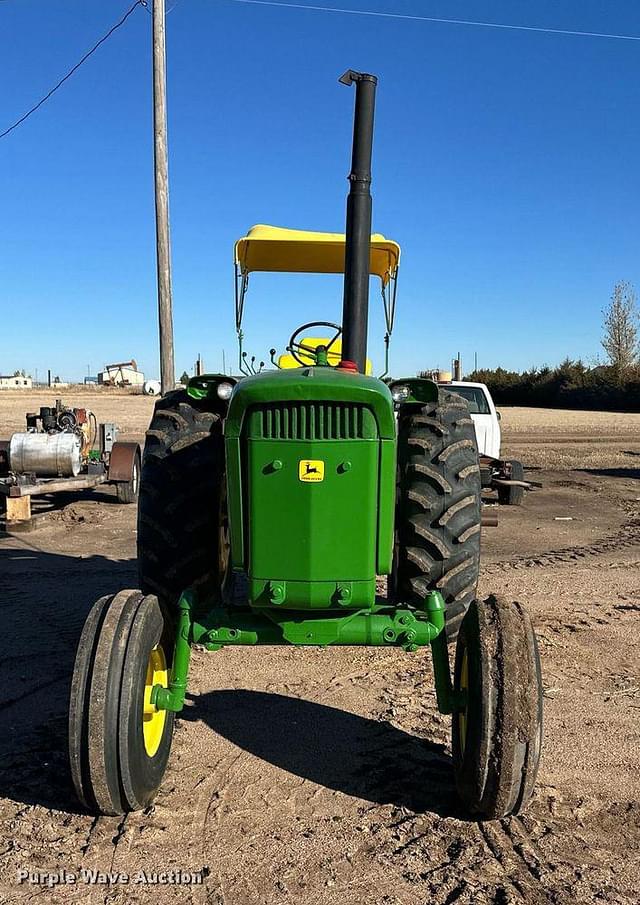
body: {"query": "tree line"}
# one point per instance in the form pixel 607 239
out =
pixel 614 385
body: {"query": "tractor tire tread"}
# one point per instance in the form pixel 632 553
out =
pixel 106 671
pixel 80 698
pixel 438 509
pixel 178 512
pixel 496 777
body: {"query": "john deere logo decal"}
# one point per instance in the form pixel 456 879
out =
pixel 311 470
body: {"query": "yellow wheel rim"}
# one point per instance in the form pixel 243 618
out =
pixel 464 686
pixel 153 720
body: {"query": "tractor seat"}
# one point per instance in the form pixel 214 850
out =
pixel 287 361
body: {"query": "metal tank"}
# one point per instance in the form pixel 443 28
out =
pixel 46 455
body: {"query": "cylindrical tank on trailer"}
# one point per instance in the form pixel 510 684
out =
pixel 45 455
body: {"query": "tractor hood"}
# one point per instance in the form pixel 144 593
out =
pixel 324 384
pixel 305 447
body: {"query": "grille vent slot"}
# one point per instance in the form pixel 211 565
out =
pixel 312 421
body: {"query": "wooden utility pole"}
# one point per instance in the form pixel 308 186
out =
pixel 161 169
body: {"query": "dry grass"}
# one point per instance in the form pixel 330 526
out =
pixel 565 421
pixel 543 438
pixel 564 439
pixel 131 413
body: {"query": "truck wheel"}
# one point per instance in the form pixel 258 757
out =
pixel 497 738
pixel 513 496
pixel 182 526
pixel 437 545
pixel 118 742
pixel 127 492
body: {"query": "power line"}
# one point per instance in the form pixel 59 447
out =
pixel 170 10
pixel 363 12
pixel 75 68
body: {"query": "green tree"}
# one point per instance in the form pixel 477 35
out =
pixel 184 380
pixel 620 339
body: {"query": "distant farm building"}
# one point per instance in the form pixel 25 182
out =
pixel 121 374
pixel 17 382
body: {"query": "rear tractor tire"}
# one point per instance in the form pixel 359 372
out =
pixel 497 737
pixel 119 742
pixel 437 545
pixel 182 522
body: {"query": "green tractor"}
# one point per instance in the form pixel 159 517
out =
pixel 269 505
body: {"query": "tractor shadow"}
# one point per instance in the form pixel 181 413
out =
pixel 365 758
pixel 44 599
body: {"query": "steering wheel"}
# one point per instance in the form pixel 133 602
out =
pixel 295 346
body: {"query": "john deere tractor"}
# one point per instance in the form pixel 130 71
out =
pixel 271 502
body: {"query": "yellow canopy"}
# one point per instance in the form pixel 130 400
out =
pixel 271 248
pixel 286 361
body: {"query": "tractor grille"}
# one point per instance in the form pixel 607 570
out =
pixel 312 421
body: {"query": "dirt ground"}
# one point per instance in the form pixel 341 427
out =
pixel 324 776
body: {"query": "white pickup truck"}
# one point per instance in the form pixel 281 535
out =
pixel 504 475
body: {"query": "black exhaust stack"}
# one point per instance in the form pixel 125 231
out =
pixel 355 306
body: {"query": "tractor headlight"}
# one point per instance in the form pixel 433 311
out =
pixel 224 390
pixel 400 392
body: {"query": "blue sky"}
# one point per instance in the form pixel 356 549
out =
pixel 505 164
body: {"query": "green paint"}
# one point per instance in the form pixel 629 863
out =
pixel 321 356
pixel 172 698
pixel 421 390
pixel 386 507
pixel 311 486
pixel 311 536
pixel 235 502
pixel 447 699
pixel 383 626
pixel 311 463
pixel 206 386
pixel 309 384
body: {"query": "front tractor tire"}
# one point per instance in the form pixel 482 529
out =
pixel 437 544
pixel 119 742
pixel 497 736
pixel 182 532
